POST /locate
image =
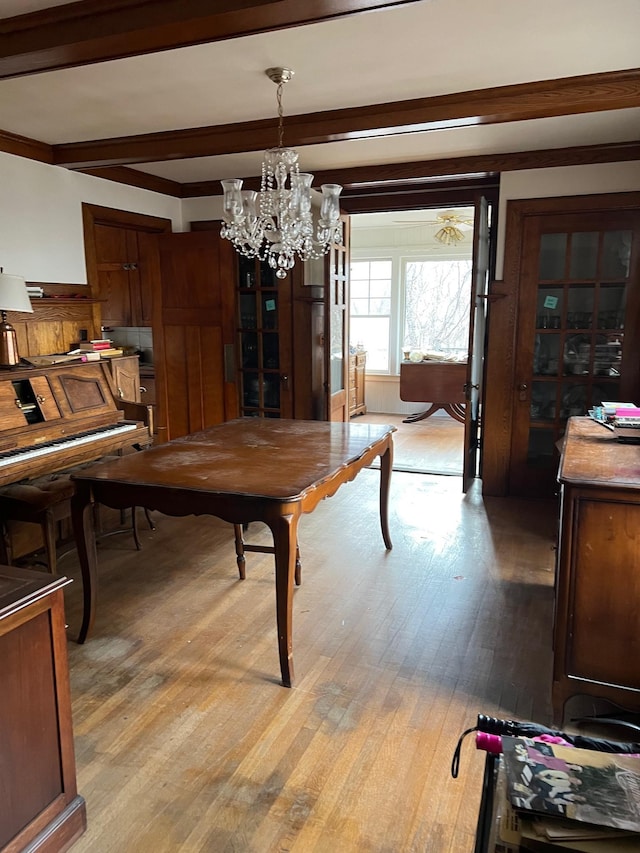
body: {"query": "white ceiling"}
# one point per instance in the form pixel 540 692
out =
pixel 418 50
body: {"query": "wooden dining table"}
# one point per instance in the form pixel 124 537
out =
pixel 249 469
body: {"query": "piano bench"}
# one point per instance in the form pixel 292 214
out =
pixel 44 501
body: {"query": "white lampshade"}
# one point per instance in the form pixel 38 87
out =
pixel 13 293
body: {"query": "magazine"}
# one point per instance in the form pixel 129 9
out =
pixel 598 788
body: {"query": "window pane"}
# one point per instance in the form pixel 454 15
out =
pixel 380 288
pixel 437 306
pixel 373 334
pixel 553 248
pixel 360 270
pixel 359 288
pixel 584 254
pixel 380 306
pixel 380 269
pixel 359 306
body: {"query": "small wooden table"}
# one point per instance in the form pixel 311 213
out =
pixel 250 469
pixel 440 383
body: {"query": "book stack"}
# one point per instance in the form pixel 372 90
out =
pixel 558 797
pixel 102 346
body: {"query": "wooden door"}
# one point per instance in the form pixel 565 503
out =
pixel 125 372
pixel 193 333
pixel 519 442
pixel 337 330
pixel 120 249
pixel 477 330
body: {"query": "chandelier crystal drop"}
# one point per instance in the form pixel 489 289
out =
pixel 277 224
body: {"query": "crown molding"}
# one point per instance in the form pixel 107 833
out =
pixel 90 31
pixel 520 102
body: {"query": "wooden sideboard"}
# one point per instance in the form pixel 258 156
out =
pixel 597 596
pixel 41 809
pixel 357 368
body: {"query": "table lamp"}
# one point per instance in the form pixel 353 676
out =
pixel 13 297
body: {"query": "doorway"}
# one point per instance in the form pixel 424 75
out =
pixel 411 288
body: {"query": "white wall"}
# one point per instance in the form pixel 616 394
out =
pixel 41 235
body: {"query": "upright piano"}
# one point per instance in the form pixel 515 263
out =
pixel 52 418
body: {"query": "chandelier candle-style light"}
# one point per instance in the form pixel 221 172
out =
pixel 276 224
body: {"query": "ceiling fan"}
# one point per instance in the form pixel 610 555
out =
pixel 451 226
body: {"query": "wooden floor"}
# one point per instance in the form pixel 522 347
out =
pixel 185 739
pixel 431 446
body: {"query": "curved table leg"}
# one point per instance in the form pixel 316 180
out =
pixel 457 411
pixel 386 466
pixel 454 410
pixel 285 539
pixel 420 416
pixel 84 534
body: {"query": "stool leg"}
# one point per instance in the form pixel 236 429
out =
pixel 134 527
pixel 240 558
pixel 49 533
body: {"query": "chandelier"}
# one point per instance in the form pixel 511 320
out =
pixel 277 223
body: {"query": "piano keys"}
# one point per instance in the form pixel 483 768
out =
pixel 52 418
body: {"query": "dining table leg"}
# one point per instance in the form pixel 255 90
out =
pixel 285 538
pixel 85 537
pixel 386 466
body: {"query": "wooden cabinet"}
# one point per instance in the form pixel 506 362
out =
pixel 357 368
pixel 41 808
pixel 596 637
pixel 565 338
pixel 265 368
pixel 125 372
pixel 121 255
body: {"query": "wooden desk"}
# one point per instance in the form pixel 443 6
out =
pixel 251 469
pixel 596 644
pixel 440 383
pixel 40 808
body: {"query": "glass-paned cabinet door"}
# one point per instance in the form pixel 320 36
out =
pixel 575 349
pixel 258 330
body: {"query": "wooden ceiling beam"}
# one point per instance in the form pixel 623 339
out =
pixel 520 102
pixel 90 31
pixel 391 177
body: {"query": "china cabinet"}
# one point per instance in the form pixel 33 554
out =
pixel 578 309
pixel 265 369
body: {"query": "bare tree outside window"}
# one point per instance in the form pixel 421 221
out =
pixel 437 295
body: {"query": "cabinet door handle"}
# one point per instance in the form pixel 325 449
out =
pixel 522 392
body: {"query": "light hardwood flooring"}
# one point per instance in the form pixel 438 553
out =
pixel 431 446
pixel 185 739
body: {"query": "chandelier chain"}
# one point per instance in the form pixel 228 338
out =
pixel 280 115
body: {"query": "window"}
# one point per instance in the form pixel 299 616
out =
pixel 436 305
pixel 370 310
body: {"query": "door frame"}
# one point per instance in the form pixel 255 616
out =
pixel 502 326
